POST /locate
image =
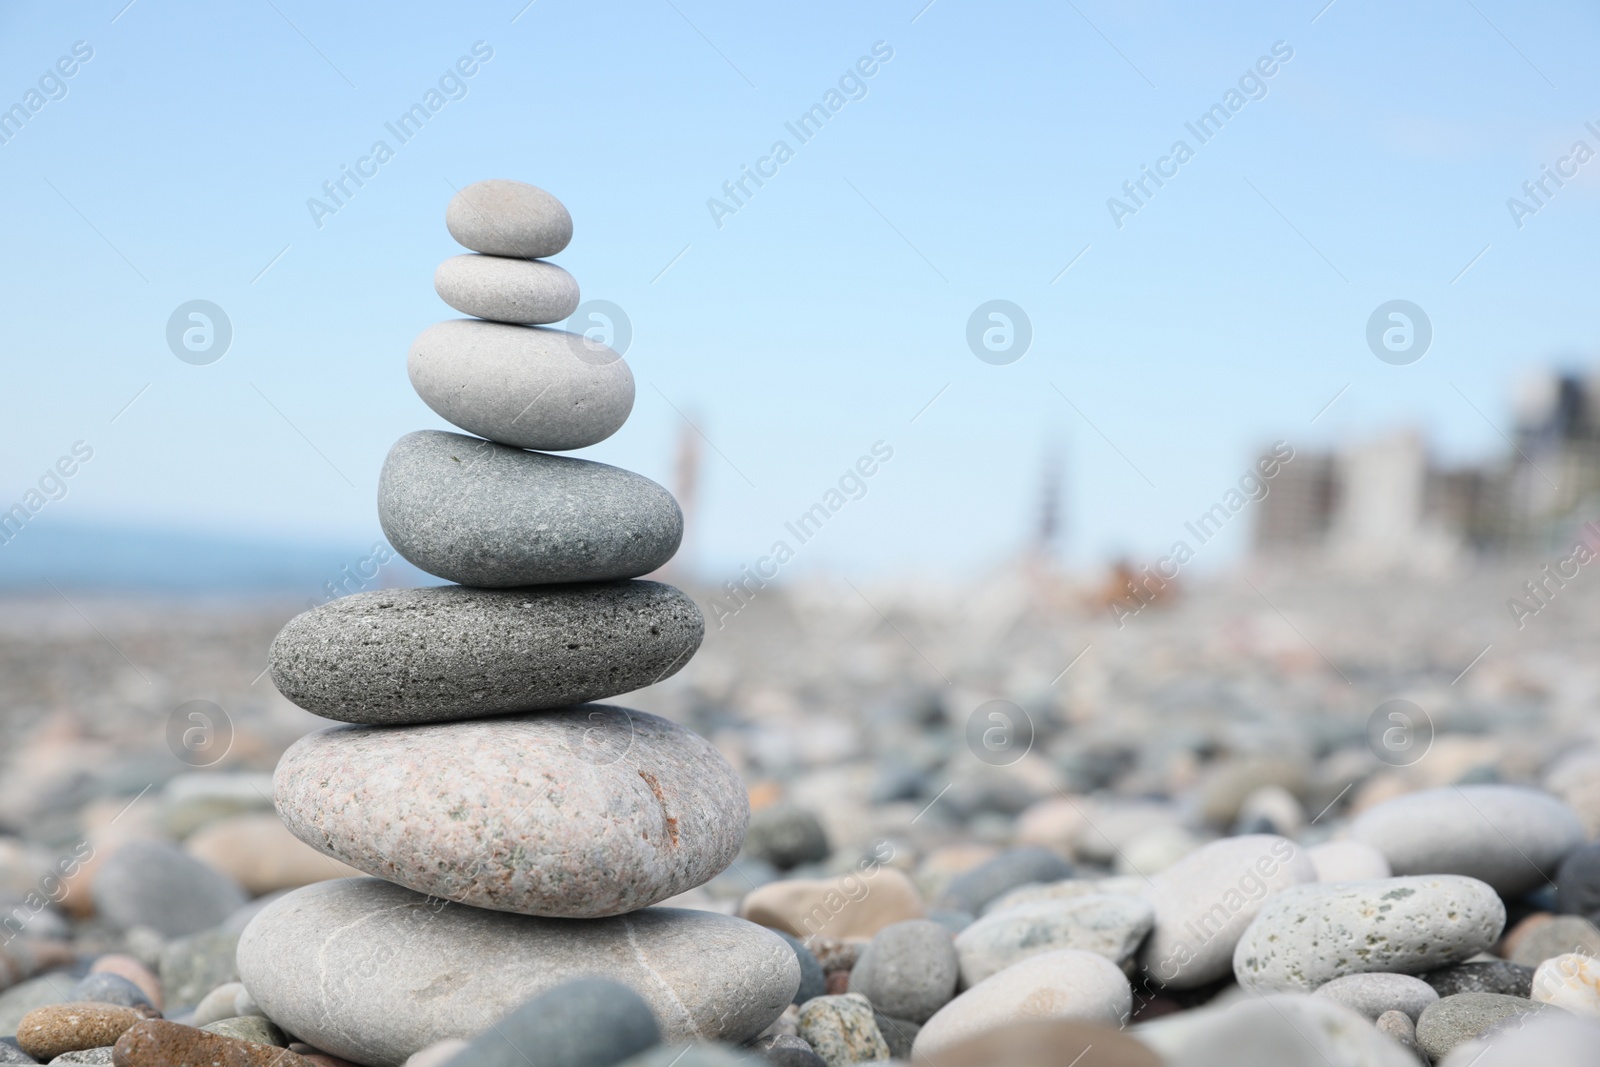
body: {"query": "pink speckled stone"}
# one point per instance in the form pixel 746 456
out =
pixel 575 813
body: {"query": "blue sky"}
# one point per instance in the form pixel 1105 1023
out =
pixel 825 313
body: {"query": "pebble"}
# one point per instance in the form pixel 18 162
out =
pixel 851 905
pixel 812 982
pixel 1109 926
pixel 1204 902
pixel 975 888
pixel 586 1022
pixel 908 971
pixel 785 1050
pixel 516 814
pixel 1578 882
pixel 522 386
pixel 1065 984
pixel 217 1004
pixel 260 853
pixel 841 1030
pixel 1348 861
pixel 501 217
pixel 10 1053
pixel 1315 933
pixel 105 988
pixel 899 1034
pixel 1486 976
pixel 1465 1016
pixel 1570 981
pixel 198 798
pixel 191 967
pixel 786 835
pixel 1270 809
pixel 691 1056
pixel 506 290
pixel 126 967
pixel 1280 1030
pixel 1371 995
pixel 159 1043
pixel 1229 784
pixel 1402 1028
pixel 157 884
pixel 1511 837
pixel 447 652
pixel 373 972
pixel 498 517
pixel 25 996
pixel 1553 937
pixel 47 1032
pixel 106 1054
pixel 1549 1039
pixel 1132 885
pixel 1049 1043
pixel 253 1028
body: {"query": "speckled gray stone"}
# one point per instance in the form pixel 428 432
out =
pixel 909 970
pixel 373 972
pixel 1511 837
pixel 1487 976
pixel 841 1030
pixel 1312 934
pixel 88 1055
pixel 1280 1030
pixel 502 217
pixel 528 386
pixel 587 1022
pixel 526 291
pixel 489 515
pixel 193 966
pixel 253 1028
pixel 1371 995
pixel 973 889
pixel 1451 1020
pixel 576 813
pixel 1109 926
pixel 1402 1028
pixel 443 653
pixel 159 885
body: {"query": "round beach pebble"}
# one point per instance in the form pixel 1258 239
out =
pixel 1550 1039
pixel 1204 902
pixel 1109 926
pixel 1556 935
pixel 126 967
pixel 1482 976
pixel 193 966
pixel 448 652
pixel 159 1043
pixel 1348 861
pixel 499 289
pixel 103 988
pixel 1511 837
pixel 842 1030
pixel 526 386
pixel 1065 984
pixel 502 217
pixel 1314 933
pixel 586 1022
pixel 256 1029
pixel 373 972
pixel 1370 995
pixel 908 971
pixel 438 1054
pixel 45 1033
pixel 1280 1030
pixel 493 516
pixel 786 835
pixel 851 905
pixel 1570 981
pixel 1453 1020
pixel 217 1004
pixel 259 853
pixel 577 813
pixel 1578 882
pixel 1049 1043
pixel 104 1054
pixel 971 890
pixel 813 983
pixel 157 884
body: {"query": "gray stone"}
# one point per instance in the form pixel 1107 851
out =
pixel 448 652
pixel 577 813
pixel 953 921
pixel 813 983
pixel 1281 1030
pixel 528 386
pixel 1371 995
pixel 1315 933
pixel 373 972
pixel 497 517
pixel 972 890
pixel 899 1034
pixel 1488 976
pixel 159 885
pixel 193 966
pixel 908 971
pixel 1578 882
pixel 1403 1029
pixel 1511 837
pixel 842 1031
pixel 1467 1016
pixel 217 1004
pixel 1556 936
pixel 10 1053
pixel 253 1028
pixel 110 989
pixel 587 1022
pixel 502 217
pixel 1550 1039
pixel 1205 901
pixel 1109 926
pixel 786 836
pixel 88 1055
pixel 52 988
pixel 526 291
pixel 700 1055
pixel 784 1050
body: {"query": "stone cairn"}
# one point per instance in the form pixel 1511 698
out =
pixel 513 831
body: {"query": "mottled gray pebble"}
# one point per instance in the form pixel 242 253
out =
pixel 528 386
pixel 449 652
pixel 252 1028
pixel 191 967
pixel 1490 976
pixel 908 971
pixel 1279 1030
pixel 1371 995
pixel 525 291
pixel 110 989
pixel 972 890
pixel 786 836
pixel 502 217
pixel 493 516
pixel 10 1053
pixel 88 1055
pixel 587 1022
pixel 159 885
pixel 1465 1016
pixel 841 1030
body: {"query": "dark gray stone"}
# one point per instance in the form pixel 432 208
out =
pixel 969 892
pixel 1451 1020
pixel 502 217
pixel 786 836
pixel 785 1050
pixel 908 971
pixel 898 1034
pixel 191 967
pixel 493 516
pixel 588 1022
pixel 1488 976
pixel 813 983
pixel 159 885
pixel 1578 882
pixel 448 652
pixel 110 989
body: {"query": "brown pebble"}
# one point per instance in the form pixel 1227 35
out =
pixel 127 967
pixel 45 1033
pixel 159 1043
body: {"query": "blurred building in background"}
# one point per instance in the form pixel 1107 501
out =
pixel 1384 502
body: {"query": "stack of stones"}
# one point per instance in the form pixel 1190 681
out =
pixel 514 831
